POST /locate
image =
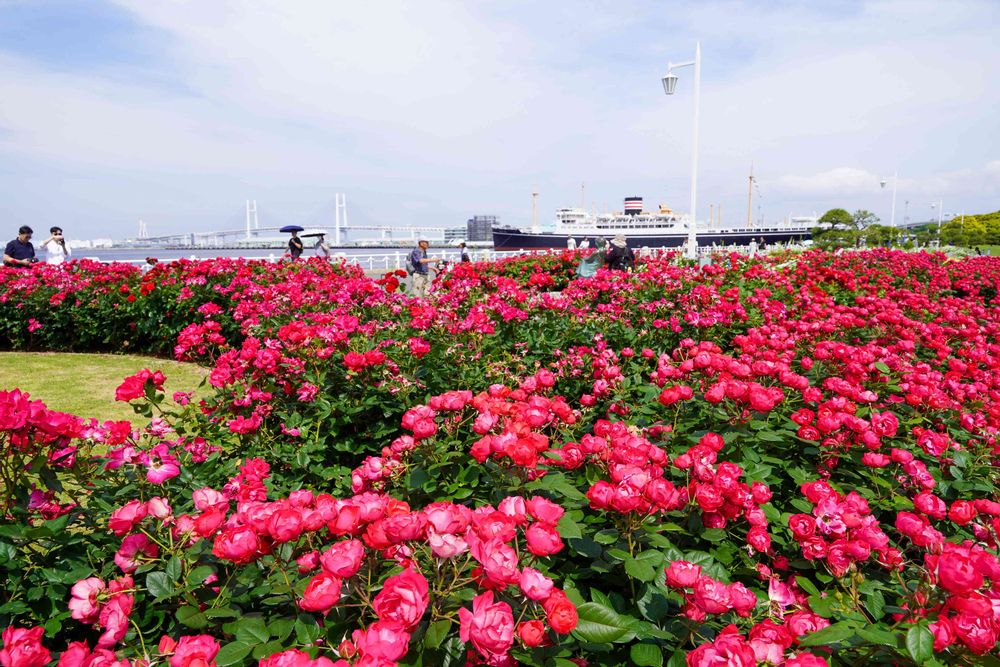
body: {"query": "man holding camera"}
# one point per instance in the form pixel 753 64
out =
pixel 55 245
pixel 19 252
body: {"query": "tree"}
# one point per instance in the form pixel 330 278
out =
pixel 837 218
pixel 863 218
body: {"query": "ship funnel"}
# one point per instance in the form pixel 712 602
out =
pixel 633 205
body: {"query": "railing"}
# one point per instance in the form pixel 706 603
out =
pixel 387 261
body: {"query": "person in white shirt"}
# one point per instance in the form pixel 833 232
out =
pixel 55 247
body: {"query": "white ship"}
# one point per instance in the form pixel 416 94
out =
pixel 654 229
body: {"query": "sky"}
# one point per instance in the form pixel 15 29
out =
pixel 427 113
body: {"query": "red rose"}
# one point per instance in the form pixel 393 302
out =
pixel 802 526
pixel 532 633
pixel 561 613
pixel 957 574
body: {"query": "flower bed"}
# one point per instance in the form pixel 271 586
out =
pixel 787 461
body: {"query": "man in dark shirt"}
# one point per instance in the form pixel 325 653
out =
pixel 295 245
pixel 419 260
pixel 20 252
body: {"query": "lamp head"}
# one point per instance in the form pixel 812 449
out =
pixel 670 83
pixel 882 183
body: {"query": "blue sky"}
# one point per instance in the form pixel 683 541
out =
pixel 428 113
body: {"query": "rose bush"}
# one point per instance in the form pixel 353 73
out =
pixel 786 461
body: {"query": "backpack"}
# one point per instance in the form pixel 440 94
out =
pixel 410 268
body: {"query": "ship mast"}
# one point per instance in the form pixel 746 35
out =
pixel 750 198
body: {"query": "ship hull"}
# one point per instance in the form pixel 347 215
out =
pixel 514 239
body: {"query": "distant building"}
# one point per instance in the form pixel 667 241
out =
pixel 480 228
pixel 455 234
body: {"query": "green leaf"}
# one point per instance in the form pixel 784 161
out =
pixel 678 659
pixel 173 568
pixel 192 617
pixel 920 643
pixel 876 604
pixel 882 368
pixel 159 585
pixel 568 528
pixel 807 585
pixel 253 631
pixel 646 655
pixel 436 632
pixel 643 567
pixel 232 653
pixel 713 534
pixel 830 635
pixel 599 624
pixel 306 629
pixel 879 636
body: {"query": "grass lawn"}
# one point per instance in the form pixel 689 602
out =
pixel 84 384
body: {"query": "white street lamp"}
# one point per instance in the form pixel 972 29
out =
pixel 895 179
pixel 669 86
pixel 939 205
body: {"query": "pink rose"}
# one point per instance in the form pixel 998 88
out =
pixel 446 545
pixel 383 640
pixel 742 598
pixel 489 626
pixel 543 539
pixel 759 539
pixel 403 598
pixel 343 559
pixel 134 548
pixel 158 508
pixel 23 648
pixel 114 619
pixel 285 525
pixel 447 517
pixel 712 596
pixel 195 651
pixel 77 654
pixel 806 660
pixel 682 574
pixel 543 509
pixel 127 517
pixel 83 604
pixel 957 573
pixel 321 594
pixel 239 545
pixel 535 585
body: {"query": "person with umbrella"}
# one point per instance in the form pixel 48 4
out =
pixel 295 246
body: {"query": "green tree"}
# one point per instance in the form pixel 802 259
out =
pixel 863 218
pixel 837 218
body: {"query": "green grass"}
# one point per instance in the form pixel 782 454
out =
pixel 84 384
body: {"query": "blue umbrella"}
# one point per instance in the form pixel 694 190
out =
pixel 291 228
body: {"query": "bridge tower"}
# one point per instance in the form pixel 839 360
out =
pixel 143 232
pixel 340 204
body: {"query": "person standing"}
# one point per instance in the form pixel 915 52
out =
pixel 417 266
pixel 295 246
pixel 620 257
pixel 19 252
pixel 571 243
pixel 465 253
pixel 323 247
pixel 55 247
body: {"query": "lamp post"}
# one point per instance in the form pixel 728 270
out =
pixel 669 86
pixel 939 205
pixel 895 178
